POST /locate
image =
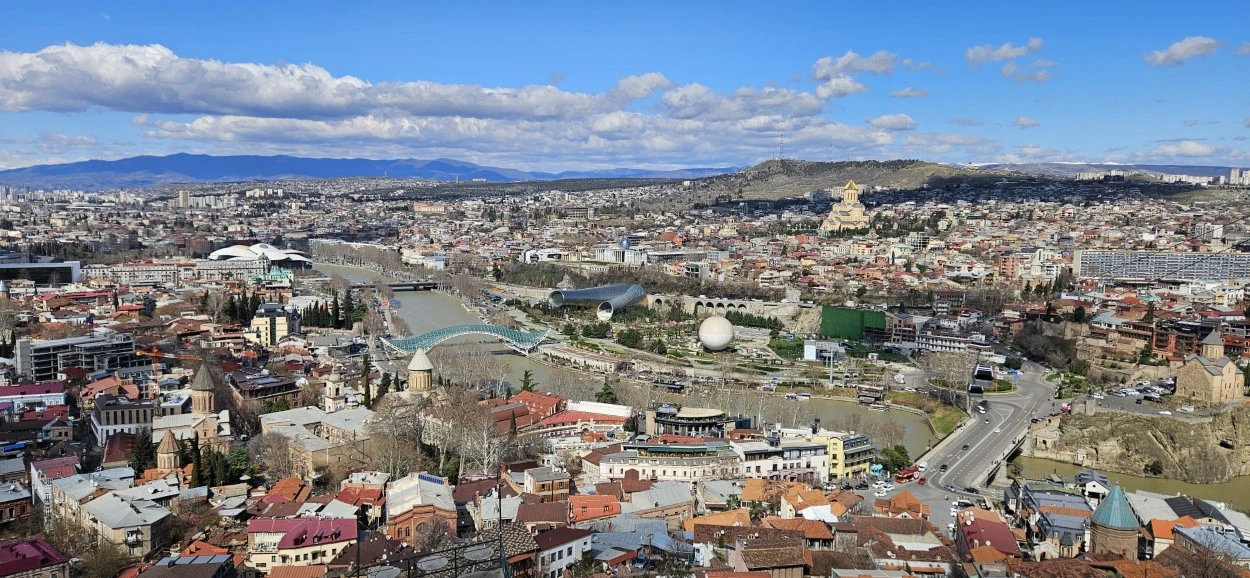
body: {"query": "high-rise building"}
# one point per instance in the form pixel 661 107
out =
pixel 1234 176
pixel 1177 265
pixel 184 199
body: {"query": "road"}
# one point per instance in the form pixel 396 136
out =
pixel 990 436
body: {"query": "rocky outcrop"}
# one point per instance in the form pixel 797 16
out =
pixel 1193 451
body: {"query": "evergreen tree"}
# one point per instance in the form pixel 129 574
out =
pixel 607 394
pixel 512 426
pixel 384 386
pixel 349 310
pixel 197 474
pixel 527 380
pixel 336 312
pixel 142 455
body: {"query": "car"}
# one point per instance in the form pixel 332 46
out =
pixel 949 487
pixel 1165 412
pixel 920 481
pixel 1034 419
pixel 961 503
pixel 987 420
pixel 965 448
pixel 879 493
pixel 943 468
pixel 972 490
pixel 1132 392
pixel 998 430
pixel 1119 394
pixel 879 484
pixel 1097 396
pixel 888 487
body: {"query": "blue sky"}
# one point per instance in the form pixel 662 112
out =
pixel 576 85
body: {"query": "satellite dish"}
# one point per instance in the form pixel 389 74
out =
pixel 432 563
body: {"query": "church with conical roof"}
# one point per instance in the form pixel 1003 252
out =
pixel 848 214
pixel 1210 378
pixel 204 418
pixel 1113 526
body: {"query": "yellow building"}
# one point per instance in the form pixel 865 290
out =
pixel 850 454
pixel 1210 378
pixel 847 215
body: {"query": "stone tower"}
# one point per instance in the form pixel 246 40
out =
pixel 850 192
pixel 335 394
pixel 202 392
pixel 167 453
pixel 1113 527
pixel 419 371
pixel 1212 346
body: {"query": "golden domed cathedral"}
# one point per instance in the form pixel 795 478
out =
pixel 849 214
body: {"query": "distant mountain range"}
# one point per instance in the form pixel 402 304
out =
pixel 143 171
pixel 1071 169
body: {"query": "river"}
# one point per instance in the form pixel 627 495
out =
pixel 1235 493
pixel 426 311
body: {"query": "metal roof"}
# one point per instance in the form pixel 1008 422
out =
pixel 1115 512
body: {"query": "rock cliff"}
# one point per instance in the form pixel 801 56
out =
pixel 1193 452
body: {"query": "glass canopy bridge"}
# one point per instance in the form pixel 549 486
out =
pixel 522 342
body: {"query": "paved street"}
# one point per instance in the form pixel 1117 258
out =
pixel 989 436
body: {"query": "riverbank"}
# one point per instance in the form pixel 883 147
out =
pixel 1235 493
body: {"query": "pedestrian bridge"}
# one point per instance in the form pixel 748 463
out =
pixel 522 341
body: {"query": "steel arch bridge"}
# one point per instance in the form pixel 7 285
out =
pixel 522 341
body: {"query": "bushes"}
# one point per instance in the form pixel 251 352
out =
pixel 750 320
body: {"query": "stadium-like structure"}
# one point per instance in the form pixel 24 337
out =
pixel 606 299
pixel 288 258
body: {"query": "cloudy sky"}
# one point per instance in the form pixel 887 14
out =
pixel 579 85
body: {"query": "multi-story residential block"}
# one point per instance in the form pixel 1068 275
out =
pixel 42 360
pixel 297 541
pixel 112 414
pixel 32 558
pixel 792 459
pixel 560 548
pixel 137 524
pixel 1150 265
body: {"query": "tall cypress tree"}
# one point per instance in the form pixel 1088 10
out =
pixel 336 312
pixel 196 466
pixel 349 310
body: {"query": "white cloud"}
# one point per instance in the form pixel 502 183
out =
pixel 1025 122
pixel 910 92
pixel 839 86
pixel 152 79
pixel 699 101
pixel 892 122
pixel 880 62
pixel 1036 73
pixel 1184 148
pixel 1179 52
pixel 966 121
pixel 1009 69
pixel 1007 51
pixel 911 65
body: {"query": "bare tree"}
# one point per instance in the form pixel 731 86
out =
pixel 273 452
pixel 891 433
pixel 437 534
pixel 215 306
pixel 310 394
pixel 394 434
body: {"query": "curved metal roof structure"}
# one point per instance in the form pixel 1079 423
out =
pixel 260 250
pixel 608 298
pixel 521 341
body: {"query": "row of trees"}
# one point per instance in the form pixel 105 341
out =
pixel 752 320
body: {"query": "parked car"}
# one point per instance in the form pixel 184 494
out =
pixel 879 493
pixel 1165 412
pixel 972 490
pixel 943 468
pixel 1097 396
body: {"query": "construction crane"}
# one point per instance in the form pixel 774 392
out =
pixel 154 390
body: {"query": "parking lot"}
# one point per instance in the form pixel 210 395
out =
pixel 1143 402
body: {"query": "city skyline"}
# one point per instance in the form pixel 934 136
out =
pixel 569 87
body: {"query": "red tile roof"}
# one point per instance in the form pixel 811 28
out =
pixel 569 417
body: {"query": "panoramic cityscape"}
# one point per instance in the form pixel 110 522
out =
pixel 567 291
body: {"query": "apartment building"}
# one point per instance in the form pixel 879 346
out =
pixel 112 414
pixel 42 360
pixel 1179 265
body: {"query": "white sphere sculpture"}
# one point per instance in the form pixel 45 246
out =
pixel 715 333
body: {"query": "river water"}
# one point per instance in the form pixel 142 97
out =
pixel 426 311
pixel 1235 493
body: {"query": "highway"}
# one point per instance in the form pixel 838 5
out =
pixel 989 437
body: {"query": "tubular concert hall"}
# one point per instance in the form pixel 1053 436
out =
pixel 606 299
